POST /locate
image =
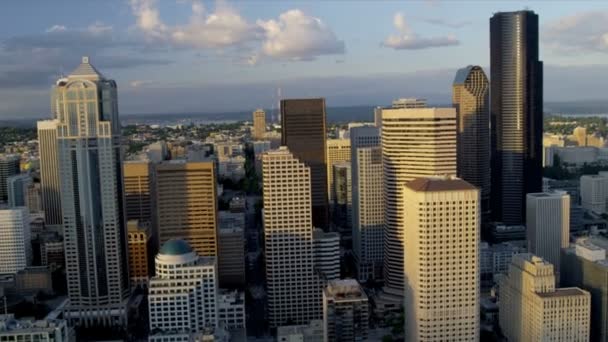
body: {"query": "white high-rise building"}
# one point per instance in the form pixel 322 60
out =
pixel 15 240
pixel 294 291
pixel 441 260
pixel 418 142
pixel 326 247
pixel 182 297
pixel 532 309
pixel 368 202
pixel 338 150
pixel 548 225
pixel 92 198
pixel 594 191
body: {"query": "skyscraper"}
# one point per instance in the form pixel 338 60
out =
pixel 418 142
pixel 343 200
pixel 516 113
pixel 303 132
pixel 471 98
pixel 338 150
pixel 294 292
pixel 49 171
pixel 259 124
pixel 368 203
pixel 187 204
pixel 9 166
pixel 138 179
pixel 441 261
pixel 15 240
pixel 18 188
pixel 90 169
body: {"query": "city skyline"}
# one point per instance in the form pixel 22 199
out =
pixel 161 63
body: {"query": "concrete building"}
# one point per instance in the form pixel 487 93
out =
pixel 416 143
pixel 409 103
pixel 52 253
pixel 548 225
pixel 231 309
pixel 259 124
pixel 516 113
pixel 141 252
pixel 183 294
pixel 495 259
pixel 139 196
pixel 594 191
pixel 232 168
pixel 49 171
pixel 231 244
pixel 326 248
pixel 303 132
pixel 187 204
pixel 18 189
pixel 158 151
pixel 343 198
pixel 14 330
pixel 345 311
pixel 9 166
pixel 311 332
pixel 531 308
pixel 471 98
pixel 441 259
pixel 368 203
pixel 294 291
pixel 338 151
pixel 33 280
pixel 15 240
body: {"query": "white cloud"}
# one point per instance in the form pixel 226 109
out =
pixel 297 36
pixel 447 23
pixel 56 28
pixel 407 39
pixel 586 31
pixel 139 83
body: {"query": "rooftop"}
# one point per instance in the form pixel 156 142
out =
pixel 86 70
pixel 437 184
pixel 175 247
pixel 563 292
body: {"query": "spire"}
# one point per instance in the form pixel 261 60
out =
pixel 86 70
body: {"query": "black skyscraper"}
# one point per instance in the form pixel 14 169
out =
pixel 516 113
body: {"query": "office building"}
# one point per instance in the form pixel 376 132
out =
pixel 368 203
pixel 18 189
pixel 310 332
pixel 293 289
pixel 471 98
pixel 378 117
pixel 231 309
pixel 548 225
pixel 326 248
pixel 441 260
pixel 231 244
pixel 142 249
pixel 15 240
pixel 187 204
pixel 303 132
pixel 9 166
pixel 158 151
pixel 409 103
pixel 259 124
pixel 516 113
pixel 49 171
pixel 345 311
pixel 594 191
pixel 92 197
pixel 532 308
pixel 55 330
pixel 138 180
pixel 343 198
pixel 415 143
pixel 584 265
pixel 182 297
pixel 338 150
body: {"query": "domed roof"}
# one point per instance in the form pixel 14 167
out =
pixel 175 247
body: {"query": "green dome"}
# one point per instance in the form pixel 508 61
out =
pixel 175 247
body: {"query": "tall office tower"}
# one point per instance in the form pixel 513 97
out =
pixel 259 124
pixel 182 297
pixel 415 143
pixel 141 252
pixel 594 192
pixel 338 150
pixel 186 204
pixel 548 225
pixel 326 249
pixel 345 311
pixel 9 166
pixel 516 113
pixel 294 292
pixel 15 244
pixel 471 98
pixel 343 197
pixel 378 117
pixel 532 309
pixel 17 187
pixel 409 103
pixel 138 179
pixel 368 203
pixel 92 198
pixel 49 171
pixel 441 259
pixel 231 246
pixel 303 125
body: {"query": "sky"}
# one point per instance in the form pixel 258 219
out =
pixel 175 56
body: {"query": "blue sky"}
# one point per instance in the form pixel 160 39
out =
pixel 209 56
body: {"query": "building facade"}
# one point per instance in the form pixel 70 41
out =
pixel 142 250
pixel 9 166
pixel 594 192
pixel 343 196
pixel 49 171
pixel 14 330
pixel 15 240
pixel 259 124
pixel 139 197
pixel 326 248
pixel 338 150
pixel 345 311
pixel 231 244
pixel 516 113
pixel 18 190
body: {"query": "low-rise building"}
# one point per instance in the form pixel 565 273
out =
pixel 345 311
pixel 51 330
pixel 312 332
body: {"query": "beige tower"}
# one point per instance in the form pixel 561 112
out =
pixel 441 260
pixel 138 190
pixel 532 309
pixel 187 204
pixel 338 150
pixel 294 295
pixel 259 124
pixel 418 142
pixel 49 171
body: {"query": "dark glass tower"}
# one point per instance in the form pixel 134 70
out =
pixel 303 132
pixel 516 110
